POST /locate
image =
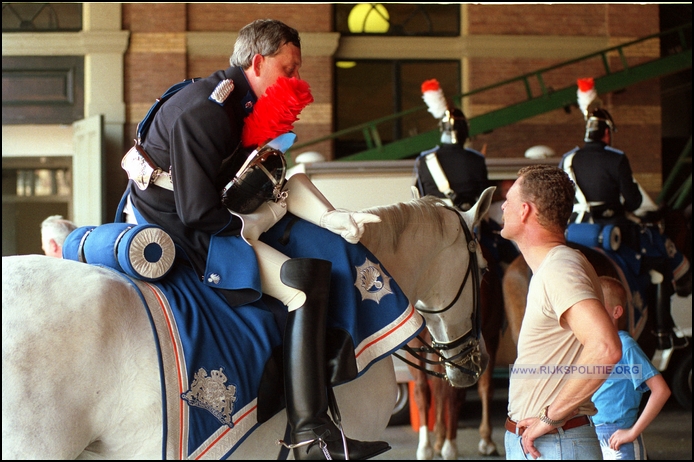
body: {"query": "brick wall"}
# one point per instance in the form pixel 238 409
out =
pixel 208 17
pixel 636 110
pixel 556 19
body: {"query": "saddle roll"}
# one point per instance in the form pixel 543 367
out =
pixel 145 252
pixel 607 237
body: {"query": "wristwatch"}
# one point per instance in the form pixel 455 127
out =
pixel 543 418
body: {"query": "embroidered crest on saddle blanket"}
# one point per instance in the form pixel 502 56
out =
pixel 373 283
pixel 211 364
pixel 213 394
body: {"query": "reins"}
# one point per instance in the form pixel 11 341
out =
pixel 469 339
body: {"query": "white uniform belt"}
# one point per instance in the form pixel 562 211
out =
pixel 439 176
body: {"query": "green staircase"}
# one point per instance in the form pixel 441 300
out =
pixel 548 99
pixel 680 197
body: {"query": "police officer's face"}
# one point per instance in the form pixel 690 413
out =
pixel 267 69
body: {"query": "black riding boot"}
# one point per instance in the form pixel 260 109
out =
pixel 313 433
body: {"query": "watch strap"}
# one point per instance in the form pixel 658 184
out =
pixel 544 418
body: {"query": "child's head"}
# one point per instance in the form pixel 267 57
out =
pixel 615 300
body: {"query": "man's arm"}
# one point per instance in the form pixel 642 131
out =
pixel 660 393
pixel 305 201
pixel 591 325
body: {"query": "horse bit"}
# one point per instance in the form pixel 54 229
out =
pixel 470 340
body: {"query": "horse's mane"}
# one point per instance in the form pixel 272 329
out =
pixel 397 217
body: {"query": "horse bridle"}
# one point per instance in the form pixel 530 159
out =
pixel 470 339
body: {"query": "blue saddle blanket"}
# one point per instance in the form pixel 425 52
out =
pixel 212 356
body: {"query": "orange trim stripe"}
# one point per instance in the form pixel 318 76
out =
pixel 388 333
pixel 162 305
pixel 227 430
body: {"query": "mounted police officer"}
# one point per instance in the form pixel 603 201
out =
pixel 607 193
pixel 194 146
pixel 458 174
pixel 465 169
pixel 603 174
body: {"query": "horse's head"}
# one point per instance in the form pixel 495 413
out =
pixel 452 307
pixel 432 253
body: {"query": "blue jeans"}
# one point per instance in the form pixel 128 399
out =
pixel 635 450
pixel 579 443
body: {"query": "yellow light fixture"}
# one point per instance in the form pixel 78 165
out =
pixel 345 64
pixel 369 18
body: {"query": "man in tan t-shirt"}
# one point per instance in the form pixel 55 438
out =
pixel 567 343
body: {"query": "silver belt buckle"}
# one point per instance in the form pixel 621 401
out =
pixel 137 168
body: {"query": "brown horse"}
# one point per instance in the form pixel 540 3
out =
pixel 448 400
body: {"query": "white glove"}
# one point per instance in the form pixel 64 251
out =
pixel 264 218
pixel 349 225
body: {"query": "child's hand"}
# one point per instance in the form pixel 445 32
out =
pixel 621 437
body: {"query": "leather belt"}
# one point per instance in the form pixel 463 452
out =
pixel 142 170
pixel 574 422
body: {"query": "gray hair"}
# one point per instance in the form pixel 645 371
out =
pixel 57 228
pixel 264 37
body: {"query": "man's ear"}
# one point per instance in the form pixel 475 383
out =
pixel 256 63
pixel 527 210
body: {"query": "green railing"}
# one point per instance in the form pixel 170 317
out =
pixel 547 100
pixel 683 195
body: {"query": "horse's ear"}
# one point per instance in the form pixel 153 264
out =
pixel 480 209
pixel 415 192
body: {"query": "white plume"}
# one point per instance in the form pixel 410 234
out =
pixel 586 94
pixel 433 97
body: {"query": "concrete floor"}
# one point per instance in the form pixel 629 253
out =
pixel 669 437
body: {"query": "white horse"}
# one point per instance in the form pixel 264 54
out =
pixel 78 351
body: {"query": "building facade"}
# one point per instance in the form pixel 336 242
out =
pixel 132 52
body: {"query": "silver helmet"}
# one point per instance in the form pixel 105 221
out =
pixel 596 123
pixel 260 178
pixel 454 127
